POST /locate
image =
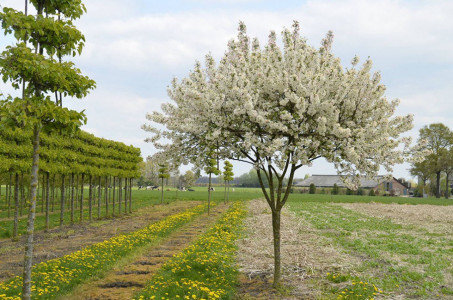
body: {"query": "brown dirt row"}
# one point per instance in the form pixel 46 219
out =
pixel 306 257
pixel 127 278
pixel 59 242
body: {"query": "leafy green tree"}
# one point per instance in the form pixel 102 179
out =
pixel 439 141
pixel 189 179
pixel 372 193
pixel 227 176
pixel 335 189
pixel 312 189
pixel 163 174
pixel 36 71
pixel 211 168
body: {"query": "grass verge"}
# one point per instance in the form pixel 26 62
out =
pixel 204 270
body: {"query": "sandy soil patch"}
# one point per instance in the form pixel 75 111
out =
pixel 305 256
pixel 57 243
pixel 434 218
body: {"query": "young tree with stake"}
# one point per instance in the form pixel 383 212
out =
pixel 227 176
pixel 279 109
pixel 163 174
pixel 211 168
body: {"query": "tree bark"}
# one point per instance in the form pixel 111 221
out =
pixel 42 194
pixel 162 194
pixel 446 187
pixel 438 184
pixel 276 234
pixel 120 194
pixel 16 207
pixel 47 199
pixel 99 198
pixel 72 199
pixel 81 199
pixel 62 200
pixel 113 196
pixel 209 192
pixel 26 288
pixel 106 189
pixel 90 199
pixel 8 191
pixel 125 195
pixel 130 195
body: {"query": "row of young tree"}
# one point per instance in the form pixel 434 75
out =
pixel 37 66
pixel 437 138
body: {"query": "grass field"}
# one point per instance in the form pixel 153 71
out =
pixel 351 247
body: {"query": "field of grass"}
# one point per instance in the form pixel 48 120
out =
pixel 395 259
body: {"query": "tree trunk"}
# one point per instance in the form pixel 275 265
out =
pixel 26 288
pixel 72 199
pixel 42 193
pixel 125 195
pixel 130 195
pixel 209 192
pixel 162 194
pixel 99 198
pixel 224 194
pixel 47 200
pixel 62 201
pixel 276 234
pixel 113 196
pixel 228 192
pixel 53 192
pixel 16 207
pixel 120 194
pixel 8 191
pixel 106 189
pixel 22 193
pixel 90 199
pixel 438 185
pixel 446 187
pixel 81 199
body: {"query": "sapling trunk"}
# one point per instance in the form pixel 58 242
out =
pixel 42 194
pixel 113 198
pixel 130 195
pixel 209 192
pixel 9 193
pixel 106 189
pixel 72 199
pixel 99 198
pixel 62 200
pixel 81 198
pixel 438 184
pixel 90 199
pixel 162 193
pixel 53 192
pixel 16 207
pixel 224 194
pixel 26 288
pixel 120 194
pixel 125 195
pixel 47 200
pixel 446 187
pixel 22 193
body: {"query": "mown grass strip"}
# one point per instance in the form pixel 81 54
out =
pixel 61 275
pixel 204 270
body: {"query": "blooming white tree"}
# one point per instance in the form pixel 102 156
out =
pixel 280 109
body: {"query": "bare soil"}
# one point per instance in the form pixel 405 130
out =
pixel 130 276
pixel 59 242
pixel 434 218
pixel 305 255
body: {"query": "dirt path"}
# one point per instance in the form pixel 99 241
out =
pixel 306 256
pixel 128 277
pixel 57 243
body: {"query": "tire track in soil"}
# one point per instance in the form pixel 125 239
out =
pixel 59 242
pixel 125 280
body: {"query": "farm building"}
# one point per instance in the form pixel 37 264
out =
pixel 379 183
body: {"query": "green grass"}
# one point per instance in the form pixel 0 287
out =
pixel 324 198
pixel 140 199
pixel 204 270
pixel 395 258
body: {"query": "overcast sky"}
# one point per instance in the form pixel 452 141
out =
pixel 134 48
